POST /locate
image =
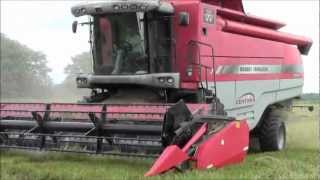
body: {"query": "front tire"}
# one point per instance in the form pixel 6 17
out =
pixel 272 134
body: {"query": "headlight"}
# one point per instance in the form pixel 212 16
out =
pixel 116 7
pixel 77 11
pixel 82 81
pixel 170 80
pixel 83 10
pixel 161 79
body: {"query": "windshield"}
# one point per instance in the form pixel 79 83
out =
pixel 132 43
pixel 119 44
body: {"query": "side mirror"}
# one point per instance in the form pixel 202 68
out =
pixel 74 26
pixel 184 18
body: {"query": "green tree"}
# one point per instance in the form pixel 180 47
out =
pixel 24 72
pixel 81 63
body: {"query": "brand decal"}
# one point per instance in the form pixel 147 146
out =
pixel 208 16
pixel 246 99
pixel 254 68
pixel 258 69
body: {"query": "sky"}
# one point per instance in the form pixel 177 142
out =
pixel 46 26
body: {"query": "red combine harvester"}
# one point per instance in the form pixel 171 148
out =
pixel 180 80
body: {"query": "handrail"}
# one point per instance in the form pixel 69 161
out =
pixel 197 43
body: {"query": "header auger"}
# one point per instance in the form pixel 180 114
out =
pixel 177 80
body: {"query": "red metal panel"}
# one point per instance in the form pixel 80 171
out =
pixel 20 110
pixel 70 107
pixel 23 106
pixel 236 45
pixel 249 19
pixel 203 129
pixel 170 158
pixel 70 111
pixel 219 61
pixel 189 85
pixel 254 31
pixel 232 48
pixel 184 34
pixel 173 155
pixel 292 56
pixel 228 146
pixel 141 112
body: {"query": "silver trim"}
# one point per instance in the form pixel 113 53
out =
pixel 151 80
pixel 257 69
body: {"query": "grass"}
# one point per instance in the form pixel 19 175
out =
pixel 300 160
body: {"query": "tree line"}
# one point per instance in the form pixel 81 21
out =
pixel 24 72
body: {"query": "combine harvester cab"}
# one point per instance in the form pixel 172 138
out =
pixel 194 66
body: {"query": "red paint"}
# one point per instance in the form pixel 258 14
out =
pixel 242 60
pixel 236 38
pixel 146 112
pixel 170 158
pixel 189 85
pixel 263 33
pixel 20 110
pixel 249 19
pixel 203 129
pixel 211 152
pixel 228 146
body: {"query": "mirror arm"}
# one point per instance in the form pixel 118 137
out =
pixel 74 26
